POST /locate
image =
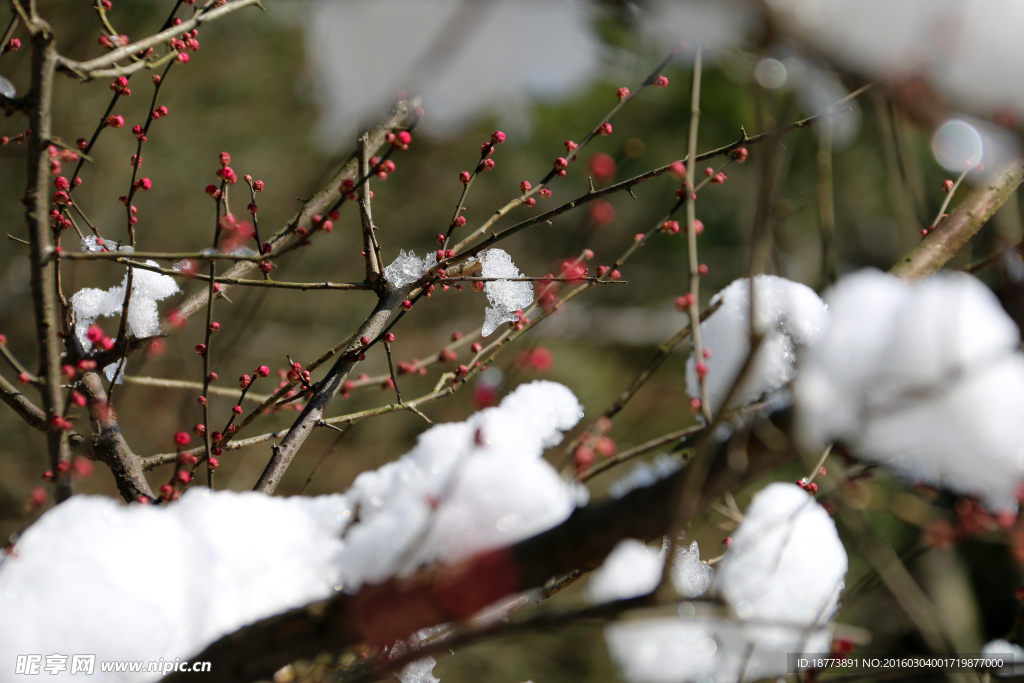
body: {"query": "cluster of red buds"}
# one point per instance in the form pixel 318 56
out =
pixel 96 335
pixel 595 443
pixel 20 138
pixel 160 112
pixel 383 168
pixel 13 45
pixel 400 140
pixel 808 486
pixel 60 156
pixel 227 174
pixel 120 86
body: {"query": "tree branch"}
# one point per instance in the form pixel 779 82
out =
pixel 954 232
pixel 43 271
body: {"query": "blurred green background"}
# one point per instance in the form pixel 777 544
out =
pixel 248 92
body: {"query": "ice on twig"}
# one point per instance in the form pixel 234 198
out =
pixel 924 378
pixel 781 580
pixel 84 572
pixel 408 268
pixel 789 314
pixel 505 296
pixel 143 320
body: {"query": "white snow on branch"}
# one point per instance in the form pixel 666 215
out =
pixel 408 268
pixel 781 581
pixel 466 486
pixel 633 569
pixel 143 320
pixel 1011 654
pixel 144 582
pixel 789 314
pixel 505 296
pixel 924 378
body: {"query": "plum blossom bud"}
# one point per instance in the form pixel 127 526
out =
pixel 660 82
pixel 947 185
pixel 623 93
pixel 497 137
pixel 182 439
pixel 115 121
pixel 182 58
pixel 740 155
pixel 258 185
pixel 464 177
pixel 252 208
pixel 487 164
pixel 605 129
pixel 544 192
pixel 143 184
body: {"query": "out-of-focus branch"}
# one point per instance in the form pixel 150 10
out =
pixel 209 12
pixel 951 234
pixel 42 272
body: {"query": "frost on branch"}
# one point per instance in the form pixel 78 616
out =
pixel 506 297
pixel 408 268
pixel 788 313
pixel 781 581
pixel 924 378
pixel 143 582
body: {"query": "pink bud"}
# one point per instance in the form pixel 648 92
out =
pixel 497 137
pixel 623 93
pixel 660 82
